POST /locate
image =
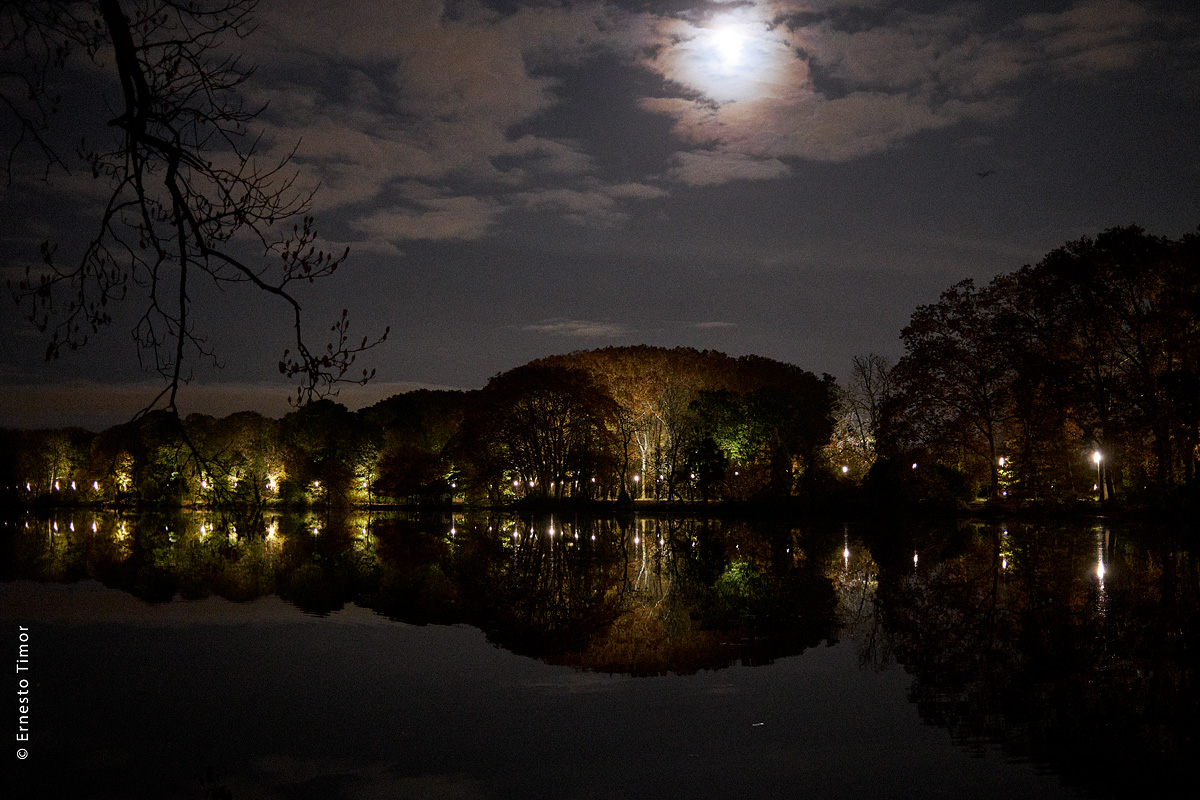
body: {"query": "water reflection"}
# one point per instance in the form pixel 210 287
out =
pixel 1073 646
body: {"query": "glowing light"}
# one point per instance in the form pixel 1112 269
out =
pixel 1100 569
pixel 95 486
pixel 1004 563
pixel 728 43
pixel 56 486
pixel 72 486
pixel 1002 461
pixel 914 559
pixel 914 465
pixel 845 470
pixel 1096 457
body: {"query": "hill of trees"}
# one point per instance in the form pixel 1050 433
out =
pixel 620 423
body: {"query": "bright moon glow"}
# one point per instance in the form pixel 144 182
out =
pixel 728 43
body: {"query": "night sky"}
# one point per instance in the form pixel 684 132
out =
pixel 778 177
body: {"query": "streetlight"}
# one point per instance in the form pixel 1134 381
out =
pixel 1100 487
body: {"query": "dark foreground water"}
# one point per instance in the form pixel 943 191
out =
pixel 305 657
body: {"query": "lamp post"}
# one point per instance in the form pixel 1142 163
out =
pixel 1102 491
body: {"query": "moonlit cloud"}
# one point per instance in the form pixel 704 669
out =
pixel 878 85
pixel 379 93
pixel 577 328
pixel 710 167
pixel 436 219
pixel 599 205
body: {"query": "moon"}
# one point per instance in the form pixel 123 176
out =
pixel 728 42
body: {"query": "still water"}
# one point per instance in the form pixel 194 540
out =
pixel 298 656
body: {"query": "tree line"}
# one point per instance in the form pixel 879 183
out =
pixel 619 424
pixel 1074 379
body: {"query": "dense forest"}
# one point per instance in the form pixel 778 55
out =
pixel 1079 373
pixel 1075 379
pixel 620 424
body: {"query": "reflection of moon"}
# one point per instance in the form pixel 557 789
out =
pixel 728 43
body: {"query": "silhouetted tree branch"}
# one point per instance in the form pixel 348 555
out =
pixel 189 198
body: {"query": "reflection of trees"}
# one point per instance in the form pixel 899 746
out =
pixel 1018 638
pixel 641 596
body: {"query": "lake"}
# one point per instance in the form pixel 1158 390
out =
pixel 308 656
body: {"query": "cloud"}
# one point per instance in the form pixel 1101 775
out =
pixel 817 87
pixel 599 205
pixel 379 91
pixel 454 96
pixel 434 219
pixel 577 328
pixel 710 167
